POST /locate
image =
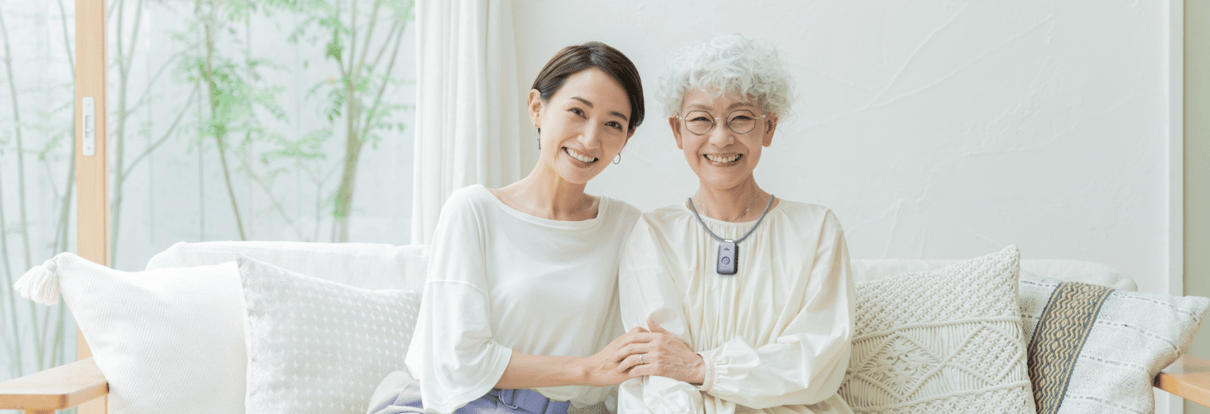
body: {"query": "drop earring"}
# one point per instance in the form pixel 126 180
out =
pixel 538 133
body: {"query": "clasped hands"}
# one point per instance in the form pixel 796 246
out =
pixel 642 352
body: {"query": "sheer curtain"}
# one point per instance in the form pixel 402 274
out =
pixel 467 103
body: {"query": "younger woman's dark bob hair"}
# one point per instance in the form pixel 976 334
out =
pixel 574 59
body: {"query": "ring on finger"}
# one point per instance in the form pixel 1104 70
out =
pixel 640 359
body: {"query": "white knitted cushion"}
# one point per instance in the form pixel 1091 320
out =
pixel 1094 349
pixel 316 346
pixel 168 340
pixel 941 341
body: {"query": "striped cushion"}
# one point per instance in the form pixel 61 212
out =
pixel 1094 349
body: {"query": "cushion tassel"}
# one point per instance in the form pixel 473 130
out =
pixel 40 284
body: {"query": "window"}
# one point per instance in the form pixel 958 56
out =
pixel 268 120
pixel 227 120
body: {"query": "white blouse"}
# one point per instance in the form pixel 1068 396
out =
pixel 775 336
pixel 501 280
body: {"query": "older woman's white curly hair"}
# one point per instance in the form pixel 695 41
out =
pixel 728 64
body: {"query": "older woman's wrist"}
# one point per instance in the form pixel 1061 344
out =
pixel 707 373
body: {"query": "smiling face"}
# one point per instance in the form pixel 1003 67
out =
pixel 722 158
pixel 584 125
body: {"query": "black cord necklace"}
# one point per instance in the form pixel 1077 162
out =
pixel 728 250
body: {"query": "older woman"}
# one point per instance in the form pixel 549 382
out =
pixel 751 293
pixel 520 306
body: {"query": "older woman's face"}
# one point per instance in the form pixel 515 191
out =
pixel 722 158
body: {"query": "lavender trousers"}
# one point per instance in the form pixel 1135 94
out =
pixel 400 393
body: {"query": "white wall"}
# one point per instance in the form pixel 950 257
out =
pixel 935 129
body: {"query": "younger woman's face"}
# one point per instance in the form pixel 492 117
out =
pixel 583 125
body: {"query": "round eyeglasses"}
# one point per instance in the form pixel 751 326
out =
pixel 740 121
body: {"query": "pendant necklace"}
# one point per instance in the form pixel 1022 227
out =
pixel 728 250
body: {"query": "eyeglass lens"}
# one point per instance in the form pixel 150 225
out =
pixel 740 121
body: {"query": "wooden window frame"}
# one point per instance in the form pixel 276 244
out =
pixel 92 222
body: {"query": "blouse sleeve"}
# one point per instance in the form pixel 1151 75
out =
pixel 452 352
pixel 646 291
pixel 807 361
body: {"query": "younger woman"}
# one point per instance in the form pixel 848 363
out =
pixel 522 282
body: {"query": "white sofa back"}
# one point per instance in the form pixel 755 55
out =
pixel 383 266
pixel 364 265
pixel 865 270
pixel 380 266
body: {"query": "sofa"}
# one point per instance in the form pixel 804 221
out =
pixel 235 327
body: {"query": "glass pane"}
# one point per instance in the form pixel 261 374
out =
pixel 259 120
pixel 37 176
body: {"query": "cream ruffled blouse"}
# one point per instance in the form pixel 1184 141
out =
pixel 775 335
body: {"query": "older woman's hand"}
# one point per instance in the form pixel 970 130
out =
pixel 664 355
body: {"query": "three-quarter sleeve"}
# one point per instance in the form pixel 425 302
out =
pixel 452 352
pixel 647 291
pixel 807 361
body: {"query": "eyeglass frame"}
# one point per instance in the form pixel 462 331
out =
pixel 713 120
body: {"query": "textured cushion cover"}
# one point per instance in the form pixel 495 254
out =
pixel 943 341
pixel 316 346
pixel 364 265
pixel 1094 349
pixel 167 340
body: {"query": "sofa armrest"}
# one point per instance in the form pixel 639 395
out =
pixel 1188 378
pixel 55 389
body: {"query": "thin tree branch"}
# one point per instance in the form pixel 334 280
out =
pixel 340 63
pixel 164 138
pixel 112 6
pixel 54 191
pixel 160 71
pixel 61 232
pixel 353 39
pixel 43 339
pixel 38 348
pixel 57 353
pixel 118 137
pixel 134 37
pixel 65 211
pixel 269 193
pixel 8 281
pixel 385 45
pixel 211 25
pixel 118 35
pixel 12 86
pixel 365 48
pixel 71 58
pixel 385 81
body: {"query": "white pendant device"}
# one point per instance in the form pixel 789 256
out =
pixel 728 250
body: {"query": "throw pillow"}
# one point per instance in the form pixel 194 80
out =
pixel 1095 349
pixel 316 346
pixel 168 339
pixel 941 341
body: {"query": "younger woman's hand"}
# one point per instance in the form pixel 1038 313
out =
pixel 664 355
pixel 601 369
